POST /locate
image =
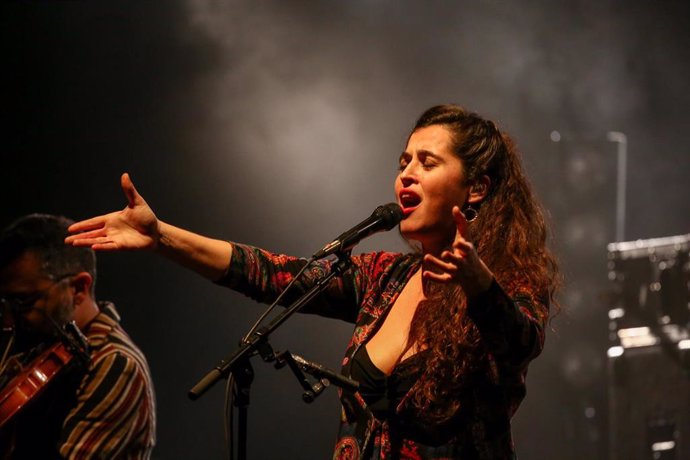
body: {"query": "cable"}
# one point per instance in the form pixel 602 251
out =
pixel 229 415
pixel 275 302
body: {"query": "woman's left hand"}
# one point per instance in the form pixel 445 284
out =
pixel 461 264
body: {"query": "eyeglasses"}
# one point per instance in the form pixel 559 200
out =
pixel 21 303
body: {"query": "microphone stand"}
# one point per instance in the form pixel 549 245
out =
pixel 239 369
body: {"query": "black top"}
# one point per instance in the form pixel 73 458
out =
pixel 382 393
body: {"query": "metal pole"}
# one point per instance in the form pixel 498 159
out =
pixel 621 179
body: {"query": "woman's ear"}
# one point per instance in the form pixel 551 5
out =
pixel 479 189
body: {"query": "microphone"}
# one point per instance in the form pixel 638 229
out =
pixel 384 218
pixel 320 372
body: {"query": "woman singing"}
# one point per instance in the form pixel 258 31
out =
pixel 443 335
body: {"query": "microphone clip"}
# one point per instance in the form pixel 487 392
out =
pixel 325 376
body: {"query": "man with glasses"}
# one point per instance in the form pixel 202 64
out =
pixel 101 407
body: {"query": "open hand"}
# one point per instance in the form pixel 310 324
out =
pixel 135 227
pixel 461 264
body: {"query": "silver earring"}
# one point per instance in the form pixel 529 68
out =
pixel 470 213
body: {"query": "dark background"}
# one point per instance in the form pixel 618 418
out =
pixel 279 124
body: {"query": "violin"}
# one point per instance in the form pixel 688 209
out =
pixel 35 376
pixel 24 377
pixel 32 380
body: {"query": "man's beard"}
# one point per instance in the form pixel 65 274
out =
pixel 29 336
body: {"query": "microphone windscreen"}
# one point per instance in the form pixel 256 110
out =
pixel 391 214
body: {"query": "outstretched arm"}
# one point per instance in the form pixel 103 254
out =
pixel 136 227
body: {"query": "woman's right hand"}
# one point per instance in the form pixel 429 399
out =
pixel 135 227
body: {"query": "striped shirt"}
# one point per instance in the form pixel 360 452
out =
pixel 114 415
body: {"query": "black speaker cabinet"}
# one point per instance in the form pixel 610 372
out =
pixel 649 403
pixel 649 357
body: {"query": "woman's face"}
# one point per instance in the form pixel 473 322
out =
pixel 431 181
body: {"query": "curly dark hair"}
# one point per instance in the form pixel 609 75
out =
pixel 510 235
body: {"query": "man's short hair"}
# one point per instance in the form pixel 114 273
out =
pixel 44 235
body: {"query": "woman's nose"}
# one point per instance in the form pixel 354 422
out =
pixel 408 175
pixel 406 180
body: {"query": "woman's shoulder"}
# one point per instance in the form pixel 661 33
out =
pixel 384 262
pixel 386 257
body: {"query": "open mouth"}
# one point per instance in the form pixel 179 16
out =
pixel 409 201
